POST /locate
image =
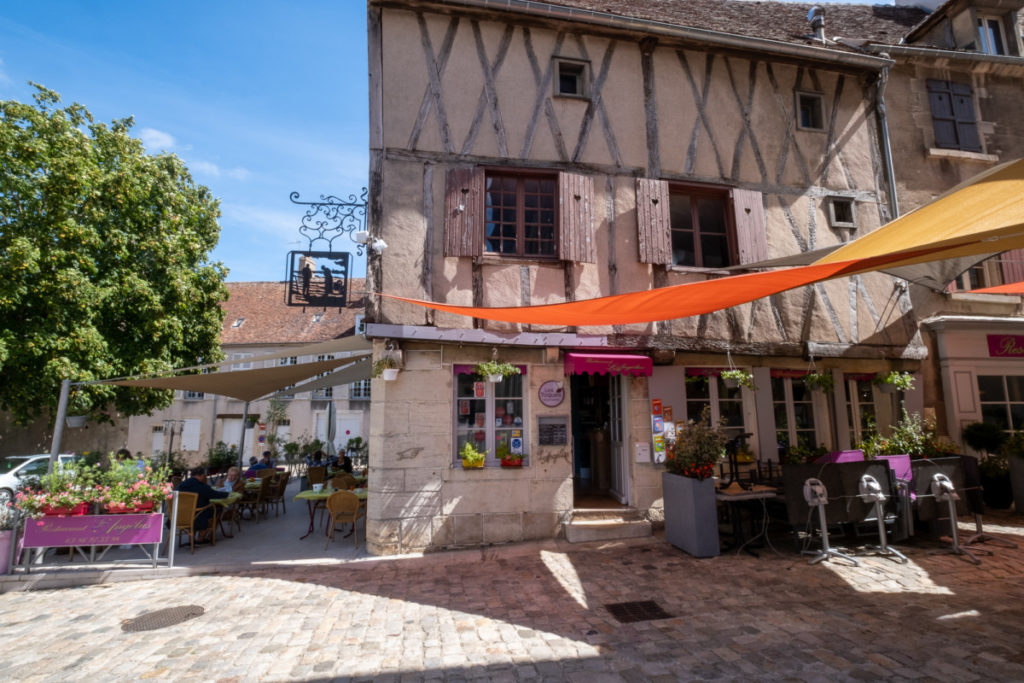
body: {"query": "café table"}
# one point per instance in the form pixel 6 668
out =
pixel 736 498
pixel 220 507
pixel 312 498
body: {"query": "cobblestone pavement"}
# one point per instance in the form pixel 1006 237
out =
pixel 538 612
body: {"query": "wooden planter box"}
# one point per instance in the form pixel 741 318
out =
pixel 691 514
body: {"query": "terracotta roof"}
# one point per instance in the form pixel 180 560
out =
pixel 783 21
pixel 270 320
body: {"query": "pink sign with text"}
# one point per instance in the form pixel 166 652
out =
pixel 1005 345
pixel 63 532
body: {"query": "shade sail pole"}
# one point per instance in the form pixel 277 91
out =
pixel 241 441
pixel 58 428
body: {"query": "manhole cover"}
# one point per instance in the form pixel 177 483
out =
pixel 642 610
pixel 161 618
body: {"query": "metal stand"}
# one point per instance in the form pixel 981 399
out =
pixel 942 489
pixel 981 537
pixel 871 492
pixel 816 496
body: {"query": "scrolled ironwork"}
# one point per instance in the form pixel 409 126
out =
pixel 331 217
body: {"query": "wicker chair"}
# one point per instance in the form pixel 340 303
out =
pixel 276 497
pixel 316 475
pixel 343 482
pixel 256 502
pixel 343 507
pixel 187 513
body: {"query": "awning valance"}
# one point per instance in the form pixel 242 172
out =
pixel 607 364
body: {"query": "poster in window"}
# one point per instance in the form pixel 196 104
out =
pixel 480 419
pixel 479 389
pixel 499 411
pixel 659 445
pixel 658 425
pixel 656 406
pixel 666 414
pixel 463 407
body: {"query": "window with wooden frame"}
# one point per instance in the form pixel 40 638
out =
pixel 842 212
pixel 953 119
pixel 573 77
pixel 513 213
pixel 810 111
pixel 699 226
pixel 990 35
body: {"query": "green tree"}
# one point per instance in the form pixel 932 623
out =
pixel 104 268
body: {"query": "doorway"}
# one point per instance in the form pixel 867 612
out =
pixel 596 426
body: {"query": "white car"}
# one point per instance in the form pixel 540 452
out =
pixel 15 470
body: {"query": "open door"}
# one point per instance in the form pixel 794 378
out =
pixel 619 488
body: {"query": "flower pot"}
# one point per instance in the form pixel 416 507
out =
pixel 512 463
pixel 996 491
pixel 75 511
pixel 1017 482
pixel 494 378
pixel 389 374
pixel 467 466
pixel 6 540
pixel 75 421
pixel 731 383
pixel 691 514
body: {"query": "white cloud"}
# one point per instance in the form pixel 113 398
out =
pixel 156 140
pixel 280 224
pixel 213 170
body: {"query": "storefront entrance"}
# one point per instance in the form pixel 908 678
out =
pixel 598 476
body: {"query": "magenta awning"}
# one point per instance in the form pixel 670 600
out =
pixel 607 364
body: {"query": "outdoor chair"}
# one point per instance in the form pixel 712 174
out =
pixel 257 502
pixel 343 507
pixel 187 513
pixel 316 475
pixel 343 482
pixel 266 472
pixel 276 497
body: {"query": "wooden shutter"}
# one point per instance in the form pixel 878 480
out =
pixel 1012 265
pixel 653 221
pixel 748 217
pixel 464 228
pixel 576 218
pixel 966 125
pixel 953 120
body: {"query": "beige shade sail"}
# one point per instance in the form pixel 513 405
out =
pixel 356 372
pixel 342 345
pixel 245 385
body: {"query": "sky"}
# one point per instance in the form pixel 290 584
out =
pixel 259 99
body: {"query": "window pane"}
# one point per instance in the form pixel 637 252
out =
pixel 682 249
pixel 714 251
pixel 996 414
pixel 781 416
pixel 711 215
pixel 697 387
pixel 1017 416
pixel 990 388
pixel 1015 387
pixel 803 415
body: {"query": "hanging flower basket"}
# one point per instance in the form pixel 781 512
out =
pixel 495 370
pixel 389 374
pixel 737 378
pixel 75 421
pixel 895 381
pixel 819 381
pixel 386 367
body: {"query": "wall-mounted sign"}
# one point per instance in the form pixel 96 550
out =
pixel 551 393
pixel 553 431
pixel 1005 345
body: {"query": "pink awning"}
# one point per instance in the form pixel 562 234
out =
pixel 607 364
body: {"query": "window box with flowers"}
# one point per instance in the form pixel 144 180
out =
pixel 472 459
pixel 126 488
pixel 688 491
pixel 68 490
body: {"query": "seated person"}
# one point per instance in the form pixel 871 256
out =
pixel 255 467
pixel 231 481
pixel 197 484
pixel 268 459
pixel 346 464
pixel 318 459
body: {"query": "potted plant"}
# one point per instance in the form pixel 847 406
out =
pixel 386 367
pixel 1014 449
pixel 9 518
pixel 495 370
pixel 78 407
pixel 508 459
pixel 737 378
pixel 126 488
pixel 70 490
pixel 471 458
pixel 820 381
pixel 691 517
pixel 988 439
pixel 895 380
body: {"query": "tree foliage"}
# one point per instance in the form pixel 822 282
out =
pixel 104 268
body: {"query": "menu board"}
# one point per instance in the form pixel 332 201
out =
pixel 553 430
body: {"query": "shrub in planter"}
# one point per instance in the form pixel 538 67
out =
pixel 471 457
pixel 691 518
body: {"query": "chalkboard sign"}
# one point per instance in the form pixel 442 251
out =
pixel 553 431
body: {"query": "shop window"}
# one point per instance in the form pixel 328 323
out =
pixel 699 226
pixel 953 119
pixel 705 388
pixel 489 415
pixel 990 36
pixel 1002 400
pixel 794 413
pixel 810 108
pixel 572 78
pixel 519 214
pixel 860 407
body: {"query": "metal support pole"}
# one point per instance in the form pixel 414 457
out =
pixel 241 441
pixel 58 427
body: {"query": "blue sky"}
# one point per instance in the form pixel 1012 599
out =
pixel 259 98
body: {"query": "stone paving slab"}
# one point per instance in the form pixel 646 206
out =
pixel 536 612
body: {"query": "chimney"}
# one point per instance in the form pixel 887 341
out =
pixel 817 19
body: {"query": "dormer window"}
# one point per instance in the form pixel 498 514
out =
pixel 317 317
pixel 238 322
pixel 990 35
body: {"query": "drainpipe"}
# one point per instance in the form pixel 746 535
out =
pixel 883 123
